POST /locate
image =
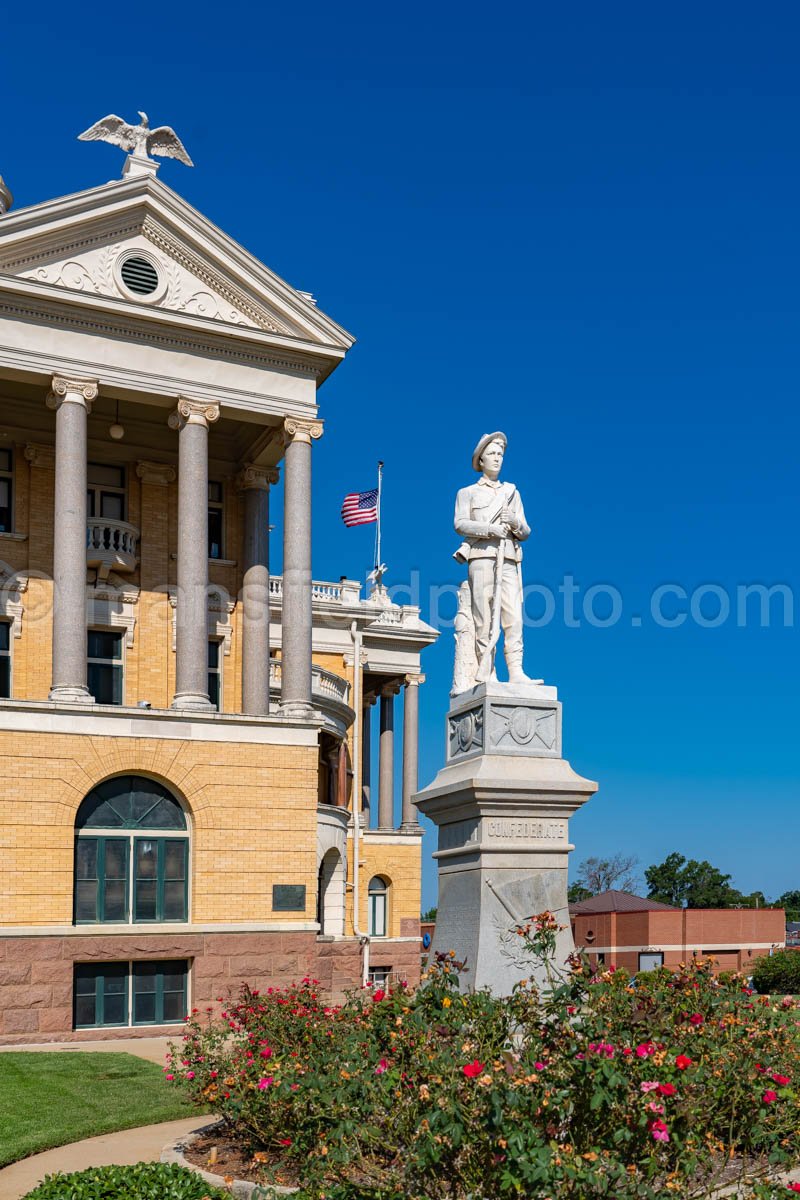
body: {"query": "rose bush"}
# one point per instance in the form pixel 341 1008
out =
pixel 595 1086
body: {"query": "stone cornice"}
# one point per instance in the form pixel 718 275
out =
pixel 193 412
pixel 155 472
pixel 68 389
pixel 296 429
pixel 252 476
pixel 103 316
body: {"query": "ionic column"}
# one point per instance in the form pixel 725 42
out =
pixel 192 418
pixel 386 763
pixel 72 400
pixel 255 482
pixel 296 613
pixel 411 750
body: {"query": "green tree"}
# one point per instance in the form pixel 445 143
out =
pixel 693 884
pixel 430 915
pixel 577 892
pixel 778 973
pixel 665 880
pixel 791 902
pixel 708 887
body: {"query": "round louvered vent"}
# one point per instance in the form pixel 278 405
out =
pixel 139 276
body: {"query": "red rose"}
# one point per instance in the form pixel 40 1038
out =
pixel 667 1089
pixel 794 1187
pixel 378 996
pixel 696 1019
pixel 472 1069
pixel 682 1062
pixel 781 1080
pixel 769 1097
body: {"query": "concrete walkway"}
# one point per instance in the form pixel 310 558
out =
pixel 120 1149
pixel 154 1049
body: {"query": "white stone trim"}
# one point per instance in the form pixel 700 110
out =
pixel 218 627
pixel 111 606
pixel 100 720
pixel 169 930
pixel 376 837
pixel 12 586
pixel 688 948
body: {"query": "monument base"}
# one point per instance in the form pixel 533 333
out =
pixel 502 806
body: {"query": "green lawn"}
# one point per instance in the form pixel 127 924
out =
pixel 48 1099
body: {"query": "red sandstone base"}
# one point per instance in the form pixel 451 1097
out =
pixel 36 973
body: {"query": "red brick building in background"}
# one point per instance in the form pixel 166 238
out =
pixel 619 929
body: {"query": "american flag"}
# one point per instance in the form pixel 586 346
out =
pixel 360 508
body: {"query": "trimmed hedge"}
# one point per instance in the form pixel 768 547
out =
pixel 143 1181
pixel 778 974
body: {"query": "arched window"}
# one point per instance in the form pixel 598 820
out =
pixel 378 895
pixel 131 854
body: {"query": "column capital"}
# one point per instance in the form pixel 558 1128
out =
pixel 413 680
pixel 155 472
pixel 260 478
pixel 298 429
pixel 40 456
pixel 66 388
pixel 390 689
pixel 193 412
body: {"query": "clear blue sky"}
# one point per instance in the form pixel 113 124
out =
pixel 577 222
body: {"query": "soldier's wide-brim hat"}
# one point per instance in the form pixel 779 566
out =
pixel 498 436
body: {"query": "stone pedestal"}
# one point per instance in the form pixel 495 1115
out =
pixel 502 805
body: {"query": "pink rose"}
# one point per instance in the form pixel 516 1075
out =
pixel 659 1131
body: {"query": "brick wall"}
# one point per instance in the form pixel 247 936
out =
pixel 734 937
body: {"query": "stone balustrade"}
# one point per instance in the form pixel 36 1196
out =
pixel 324 684
pixel 111 545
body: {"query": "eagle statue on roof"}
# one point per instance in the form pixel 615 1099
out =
pixel 139 140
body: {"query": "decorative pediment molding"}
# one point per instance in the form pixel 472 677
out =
pixel 75 244
pixel 110 603
pixel 220 609
pixel 186 284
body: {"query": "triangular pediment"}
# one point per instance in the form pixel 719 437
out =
pixel 114 241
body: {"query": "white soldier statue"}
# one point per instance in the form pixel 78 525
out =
pixel 491 520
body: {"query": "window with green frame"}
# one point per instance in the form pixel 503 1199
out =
pixel 138 993
pixel 105 666
pixel 131 854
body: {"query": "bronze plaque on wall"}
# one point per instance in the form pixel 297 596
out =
pixel 288 897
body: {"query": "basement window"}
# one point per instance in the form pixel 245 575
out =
pixel 136 993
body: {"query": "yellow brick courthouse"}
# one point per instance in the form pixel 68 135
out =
pixel 188 795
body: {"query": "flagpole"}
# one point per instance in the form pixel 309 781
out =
pixel 378 572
